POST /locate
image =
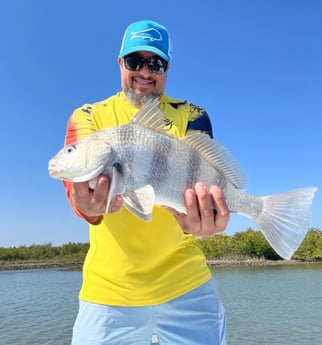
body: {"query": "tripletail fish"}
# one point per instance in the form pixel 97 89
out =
pixel 148 167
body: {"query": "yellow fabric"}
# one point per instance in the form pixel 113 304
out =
pixel 131 262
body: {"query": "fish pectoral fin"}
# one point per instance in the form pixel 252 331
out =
pixel 140 202
pixel 117 185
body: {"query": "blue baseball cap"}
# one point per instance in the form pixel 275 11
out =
pixel 148 36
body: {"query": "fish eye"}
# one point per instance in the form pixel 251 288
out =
pixel 70 148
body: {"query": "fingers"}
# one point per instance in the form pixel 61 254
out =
pixel 207 212
pixel 80 191
pixel 92 202
pixel 214 214
pixel 200 216
pixel 115 205
pixel 100 192
pixel 222 212
pixel 193 216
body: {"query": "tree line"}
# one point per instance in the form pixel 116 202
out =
pixel 253 245
pixel 45 252
pixel 249 244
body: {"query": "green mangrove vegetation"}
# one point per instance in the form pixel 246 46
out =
pixel 245 245
pixel 251 244
pixel 69 256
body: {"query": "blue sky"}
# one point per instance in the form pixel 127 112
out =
pixel 254 65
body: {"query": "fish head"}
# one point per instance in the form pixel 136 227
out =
pixel 82 160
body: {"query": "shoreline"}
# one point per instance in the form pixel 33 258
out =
pixel 24 266
pixel 219 263
pixel 255 263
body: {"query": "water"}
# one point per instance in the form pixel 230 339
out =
pixel 38 307
pixel 265 306
pixel 273 305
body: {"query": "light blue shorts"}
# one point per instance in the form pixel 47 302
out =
pixel 195 318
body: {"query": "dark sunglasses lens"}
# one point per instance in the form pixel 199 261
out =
pixel 157 65
pixel 133 62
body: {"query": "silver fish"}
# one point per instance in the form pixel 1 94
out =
pixel 148 167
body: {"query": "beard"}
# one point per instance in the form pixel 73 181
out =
pixel 137 100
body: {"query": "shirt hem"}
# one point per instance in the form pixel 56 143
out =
pixel 144 303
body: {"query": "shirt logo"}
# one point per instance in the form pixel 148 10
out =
pixel 148 34
pixel 87 110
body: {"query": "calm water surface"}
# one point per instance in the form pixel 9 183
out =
pixel 38 307
pixel 273 305
pixel 265 306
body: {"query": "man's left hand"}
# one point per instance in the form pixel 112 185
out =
pixel 207 212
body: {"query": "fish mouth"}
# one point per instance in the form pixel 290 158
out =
pixel 59 174
pixel 53 171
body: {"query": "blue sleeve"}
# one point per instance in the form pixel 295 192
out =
pixel 201 123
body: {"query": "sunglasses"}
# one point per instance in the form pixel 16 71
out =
pixel 135 62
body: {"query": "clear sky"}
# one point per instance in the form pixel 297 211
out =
pixel 255 66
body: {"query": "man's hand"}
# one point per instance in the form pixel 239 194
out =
pixel 201 218
pixel 92 202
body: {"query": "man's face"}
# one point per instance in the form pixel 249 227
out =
pixel 143 82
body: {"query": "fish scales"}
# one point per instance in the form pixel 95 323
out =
pixel 148 166
pixel 169 166
pixel 144 159
pixel 160 165
pixel 194 168
pixel 184 170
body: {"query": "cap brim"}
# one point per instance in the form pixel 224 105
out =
pixel 144 49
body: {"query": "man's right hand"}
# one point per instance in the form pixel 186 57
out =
pixel 92 202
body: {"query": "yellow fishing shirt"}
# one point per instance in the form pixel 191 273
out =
pixel 131 262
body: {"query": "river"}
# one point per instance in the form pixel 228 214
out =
pixel 279 305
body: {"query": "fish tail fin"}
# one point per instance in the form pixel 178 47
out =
pixel 284 219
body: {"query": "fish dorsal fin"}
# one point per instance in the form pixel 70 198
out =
pixel 217 156
pixel 150 116
pixel 140 202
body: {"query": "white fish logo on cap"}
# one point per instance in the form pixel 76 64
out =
pixel 148 34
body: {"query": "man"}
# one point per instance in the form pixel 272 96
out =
pixel 146 278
